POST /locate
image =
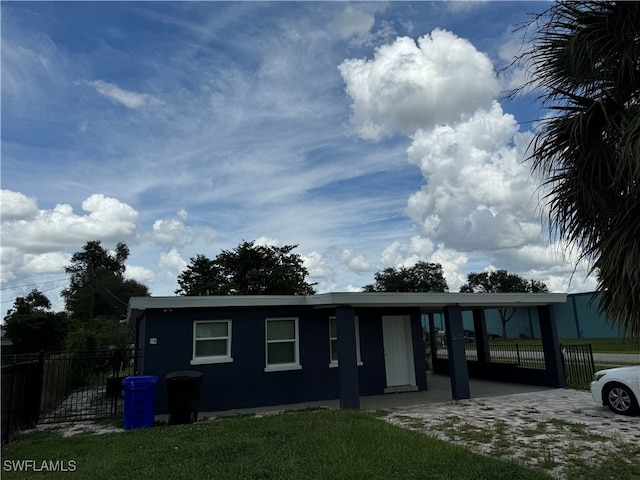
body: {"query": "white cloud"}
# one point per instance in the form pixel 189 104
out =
pixel 132 100
pixel 321 273
pixel 15 206
pixel 557 264
pixel 408 86
pixel 44 263
pixel 422 249
pixel 351 288
pixel 266 242
pixel 11 261
pixel 479 203
pixel 318 268
pixel 171 232
pixel 400 254
pixel 355 262
pixel 140 274
pixel 477 193
pixel 352 22
pixel 109 220
pixel 453 264
pixel 579 283
pixel 172 262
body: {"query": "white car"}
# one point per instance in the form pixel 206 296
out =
pixel 618 388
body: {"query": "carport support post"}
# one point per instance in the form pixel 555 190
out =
pixel 433 341
pixel 417 336
pixel 551 346
pixel 457 359
pixel 482 340
pixel 347 358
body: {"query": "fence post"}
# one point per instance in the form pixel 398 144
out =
pixel 7 428
pixel 40 382
pixel 518 353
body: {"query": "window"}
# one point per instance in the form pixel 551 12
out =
pixel 282 352
pixel 333 342
pixel 211 342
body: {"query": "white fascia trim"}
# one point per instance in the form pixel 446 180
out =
pixel 137 305
pixel 412 299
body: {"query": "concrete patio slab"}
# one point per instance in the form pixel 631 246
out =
pixel 439 391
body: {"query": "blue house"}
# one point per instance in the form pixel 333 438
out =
pixel 270 350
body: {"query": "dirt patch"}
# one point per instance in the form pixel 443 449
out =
pixel 75 428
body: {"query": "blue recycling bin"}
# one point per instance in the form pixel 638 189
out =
pixel 139 401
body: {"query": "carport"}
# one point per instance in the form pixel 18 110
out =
pixel 459 368
pixel 456 366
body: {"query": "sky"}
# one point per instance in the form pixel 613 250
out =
pixel 370 134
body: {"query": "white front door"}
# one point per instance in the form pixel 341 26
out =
pixel 398 350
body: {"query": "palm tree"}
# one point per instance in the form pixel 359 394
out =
pixel 584 60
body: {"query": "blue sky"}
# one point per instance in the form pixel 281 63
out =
pixel 370 134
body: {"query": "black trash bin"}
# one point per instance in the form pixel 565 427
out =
pixel 183 391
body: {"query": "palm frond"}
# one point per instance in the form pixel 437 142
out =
pixel 585 64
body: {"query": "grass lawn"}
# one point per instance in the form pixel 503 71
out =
pixel 605 345
pixel 319 444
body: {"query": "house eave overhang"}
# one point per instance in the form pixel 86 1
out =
pixel 426 301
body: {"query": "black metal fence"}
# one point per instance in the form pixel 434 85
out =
pixel 578 364
pixel 63 386
pixel 577 360
pixel 528 356
pixel 21 390
pixel 84 385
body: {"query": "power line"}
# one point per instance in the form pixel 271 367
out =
pixel 13 287
pixel 41 291
pixel 107 290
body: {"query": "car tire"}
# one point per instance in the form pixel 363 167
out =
pixel 620 399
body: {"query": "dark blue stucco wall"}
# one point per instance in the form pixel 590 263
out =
pixel 243 383
pixel 140 344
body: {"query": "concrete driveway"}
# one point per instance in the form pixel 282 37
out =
pixel 548 428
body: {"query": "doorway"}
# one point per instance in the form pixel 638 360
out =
pixel 398 354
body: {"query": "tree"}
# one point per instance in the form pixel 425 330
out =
pixel 501 281
pixel 422 277
pixel 248 269
pixel 98 295
pixel 584 58
pixel 202 277
pixel 97 287
pixel 32 326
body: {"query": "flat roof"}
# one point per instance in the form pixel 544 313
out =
pixel 433 301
